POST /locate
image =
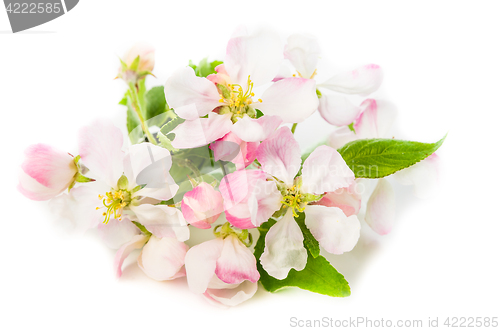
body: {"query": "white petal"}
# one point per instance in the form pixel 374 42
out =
pixel 257 55
pixel 279 155
pixel 232 296
pixel 254 130
pixel 340 137
pixel 335 232
pixel 100 146
pixel 201 131
pixel 424 176
pixel 135 243
pixel 293 99
pixel 346 199
pixel 191 96
pixel 162 258
pixel 201 263
pixel 325 171
pixel 376 119
pixel 117 233
pixel 363 80
pixel 381 208
pixel 337 110
pixel 162 221
pixel 284 248
pixel 303 52
pixel 236 262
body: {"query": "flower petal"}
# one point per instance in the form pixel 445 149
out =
pixel 376 119
pixel 33 190
pixel 162 220
pixel 292 99
pixel 424 176
pixel 117 233
pixel 249 199
pixel 325 171
pixel 236 262
pixel 381 207
pixel 279 155
pixel 232 296
pixel 191 96
pixel 337 110
pixel 284 248
pixel 202 206
pixel 136 242
pixel 340 137
pixel 231 148
pixel 363 80
pixel 257 55
pixel 347 199
pixel 163 258
pixel 100 146
pixel 336 232
pixel 201 263
pixel 201 131
pixel 255 130
pixel 303 52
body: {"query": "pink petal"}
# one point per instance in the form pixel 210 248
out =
pixel 303 52
pixel 231 148
pixel 191 96
pixel 337 109
pixel 52 169
pixel 249 199
pixel 33 190
pixel 100 146
pixel 424 176
pixel 325 171
pixel 363 80
pixel 257 55
pixel 284 248
pixel 202 206
pixel 231 296
pixel 255 130
pixel 201 263
pixel 236 262
pixel 201 131
pixel 376 119
pixel 135 243
pixel 146 53
pixel 347 199
pixel 163 258
pixel 292 99
pixel 336 232
pixel 381 207
pixel 162 221
pixel 117 233
pixel 279 155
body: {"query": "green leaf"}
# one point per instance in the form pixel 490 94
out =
pixel 133 125
pixel 377 158
pixel 204 68
pixel 318 276
pixel 309 241
pixel 172 124
pixel 156 104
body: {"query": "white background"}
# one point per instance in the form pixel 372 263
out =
pixel 441 65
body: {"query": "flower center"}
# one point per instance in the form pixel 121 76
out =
pixel 114 201
pixel 294 199
pixel 312 76
pixel 237 101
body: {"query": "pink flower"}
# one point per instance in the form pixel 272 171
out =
pixel 231 148
pixel 227 97
pixel 202 206
pixel 46 172
pixel 303 52
pixel 375 121
pixel 223 269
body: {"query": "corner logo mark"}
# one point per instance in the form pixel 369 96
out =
pixel 25 14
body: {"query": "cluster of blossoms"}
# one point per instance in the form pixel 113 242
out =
pixel 215 153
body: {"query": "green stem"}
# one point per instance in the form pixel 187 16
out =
pixel 134 98
pixel 188 164
pixel 293 127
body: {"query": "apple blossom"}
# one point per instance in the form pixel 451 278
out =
pixel 138 62
pixel 202 206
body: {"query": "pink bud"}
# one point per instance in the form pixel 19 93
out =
pixel 46 172
pixel 202 206
pixel 146 53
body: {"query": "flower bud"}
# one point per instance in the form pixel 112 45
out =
pixel 137 63
pixel 46 172
pixel 202 206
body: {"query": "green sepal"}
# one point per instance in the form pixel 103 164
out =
pixel 378 158
pixel 204 68
pixel 135 64
pixel 318 276
pixel 318 93
pixel 351 127
pixel 142 228
pixel 79 178
pixel 259 113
